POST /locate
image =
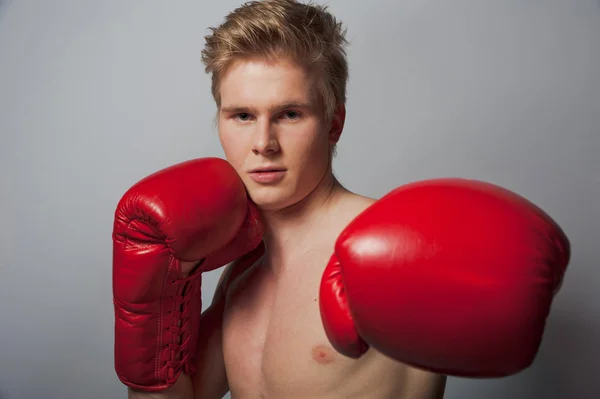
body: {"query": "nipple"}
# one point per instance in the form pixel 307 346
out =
pixel 323 354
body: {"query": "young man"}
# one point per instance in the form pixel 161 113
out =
pixel 279 77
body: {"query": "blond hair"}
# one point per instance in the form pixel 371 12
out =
pixel 304 33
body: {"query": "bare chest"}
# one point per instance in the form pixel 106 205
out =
pixel 273 340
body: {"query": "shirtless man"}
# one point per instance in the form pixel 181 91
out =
pixel 279 80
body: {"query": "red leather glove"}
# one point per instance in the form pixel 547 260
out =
pixel 453 276
pixel 195 210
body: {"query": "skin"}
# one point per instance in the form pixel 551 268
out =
pixel 266 338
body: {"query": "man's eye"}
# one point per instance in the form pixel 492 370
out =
pixel 243 116
pixel 292 114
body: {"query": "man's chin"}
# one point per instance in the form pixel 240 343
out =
pixel 268 205
pixel 270 202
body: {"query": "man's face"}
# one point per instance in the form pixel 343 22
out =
pixel 273 132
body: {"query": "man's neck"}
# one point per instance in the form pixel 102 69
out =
pixel 292 231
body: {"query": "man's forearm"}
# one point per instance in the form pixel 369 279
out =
pixel 182 389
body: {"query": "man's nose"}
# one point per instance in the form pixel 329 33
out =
pixel 265 140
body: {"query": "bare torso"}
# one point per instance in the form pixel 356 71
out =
pixel 275 346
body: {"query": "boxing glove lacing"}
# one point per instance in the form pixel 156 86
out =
pixel 181 328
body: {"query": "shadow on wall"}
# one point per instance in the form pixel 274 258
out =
pixel 568 359
pixel 565 367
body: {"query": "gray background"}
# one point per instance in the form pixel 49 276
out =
pixel 97 94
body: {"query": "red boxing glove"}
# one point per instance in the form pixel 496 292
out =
pixel 450 275
pixel 192 211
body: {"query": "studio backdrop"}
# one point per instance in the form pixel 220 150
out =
pixel 95 95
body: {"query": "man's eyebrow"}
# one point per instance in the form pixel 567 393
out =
pixel 240 108
pixel 298 104
pixel 235 109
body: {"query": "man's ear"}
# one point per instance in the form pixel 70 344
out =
pixel 337 124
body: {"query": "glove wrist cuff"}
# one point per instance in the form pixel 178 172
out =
pixel 168 339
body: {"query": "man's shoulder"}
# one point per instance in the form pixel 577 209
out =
pixel 354 205
pixel 237 268
pixel 348 208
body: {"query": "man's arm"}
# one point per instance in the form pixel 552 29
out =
pixel 210 379
pixel 182 389
pixel 424 385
